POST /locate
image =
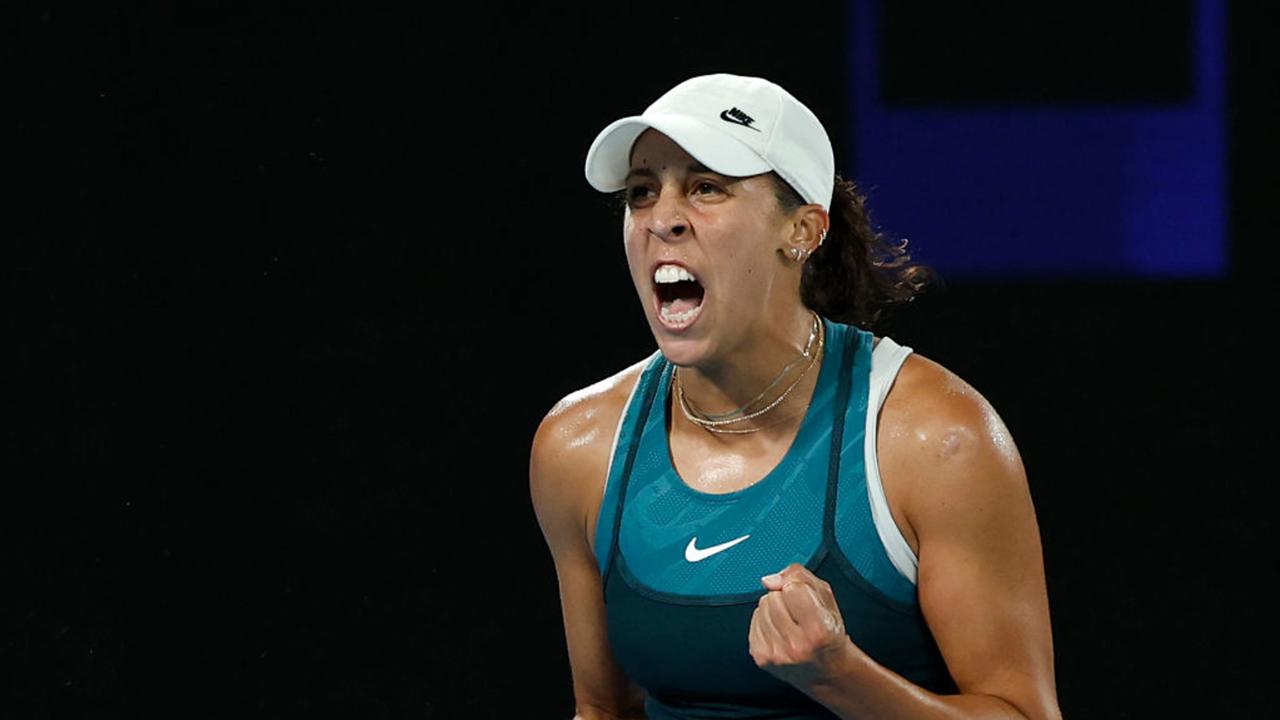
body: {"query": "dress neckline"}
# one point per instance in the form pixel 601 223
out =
pixel 833 348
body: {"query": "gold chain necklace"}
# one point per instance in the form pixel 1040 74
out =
pixel 713 425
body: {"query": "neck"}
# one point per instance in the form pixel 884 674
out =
pixel 739 378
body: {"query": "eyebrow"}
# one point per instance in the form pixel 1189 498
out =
pixel 646 172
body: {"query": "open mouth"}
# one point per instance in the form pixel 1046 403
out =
pixel 679 296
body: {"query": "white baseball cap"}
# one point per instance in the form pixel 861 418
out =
pixel 734 125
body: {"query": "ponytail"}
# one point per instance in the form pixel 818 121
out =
pixel 857 272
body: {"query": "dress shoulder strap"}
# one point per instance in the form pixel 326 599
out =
pixel 626 438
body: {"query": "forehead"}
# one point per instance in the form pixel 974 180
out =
pixel 654 154
pixel 653 149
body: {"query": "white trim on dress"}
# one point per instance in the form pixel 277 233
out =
pixel 886 361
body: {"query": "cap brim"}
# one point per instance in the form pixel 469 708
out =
pixel 609 159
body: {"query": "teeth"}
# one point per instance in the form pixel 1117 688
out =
pixel 671 273
pixel 678 319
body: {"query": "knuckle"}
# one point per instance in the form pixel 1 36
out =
pixel 761 656
pixel 832 625
pixel 796 653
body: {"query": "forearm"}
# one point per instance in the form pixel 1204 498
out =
pixel 859 687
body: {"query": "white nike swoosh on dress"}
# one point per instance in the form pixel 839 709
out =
pixel 693 554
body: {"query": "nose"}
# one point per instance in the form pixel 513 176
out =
pixel 667 219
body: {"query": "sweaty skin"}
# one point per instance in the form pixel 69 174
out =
pixel 951 473
pixel 956 492
pixel 730 234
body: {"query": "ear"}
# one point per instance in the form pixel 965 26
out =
pixel 807 229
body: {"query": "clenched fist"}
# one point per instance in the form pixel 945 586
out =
pixel 796 632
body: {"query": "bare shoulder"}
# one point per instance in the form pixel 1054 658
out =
pixel 961 486
pixel 570 455
pixel 927 394
pixel 577 425
pixel 943 445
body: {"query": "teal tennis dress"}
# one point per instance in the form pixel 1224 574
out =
pixel 682 568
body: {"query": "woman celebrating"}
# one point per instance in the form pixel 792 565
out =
pixel 779 514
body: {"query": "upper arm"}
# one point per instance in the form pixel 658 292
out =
pixel 981 578
pixel 565 472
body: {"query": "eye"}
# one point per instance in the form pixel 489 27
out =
pixel 637 192
pixel 705 187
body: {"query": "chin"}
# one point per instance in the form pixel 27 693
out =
pixel 684 351
pixel 679 353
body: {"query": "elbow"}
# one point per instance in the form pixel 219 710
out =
pixel 1040 709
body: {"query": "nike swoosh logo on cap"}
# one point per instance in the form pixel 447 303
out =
pixel 737 117
pixel 693 554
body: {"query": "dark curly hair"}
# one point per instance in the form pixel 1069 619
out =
pixel 858 272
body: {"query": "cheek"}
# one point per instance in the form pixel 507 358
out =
pixel 629 244
pixel 632 248
pixel 632 236
pixel 628 226
pixel 750 252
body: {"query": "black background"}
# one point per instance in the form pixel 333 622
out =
pixel 292 286
pixel 1050 51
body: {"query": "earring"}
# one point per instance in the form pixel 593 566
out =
pixel 796 253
